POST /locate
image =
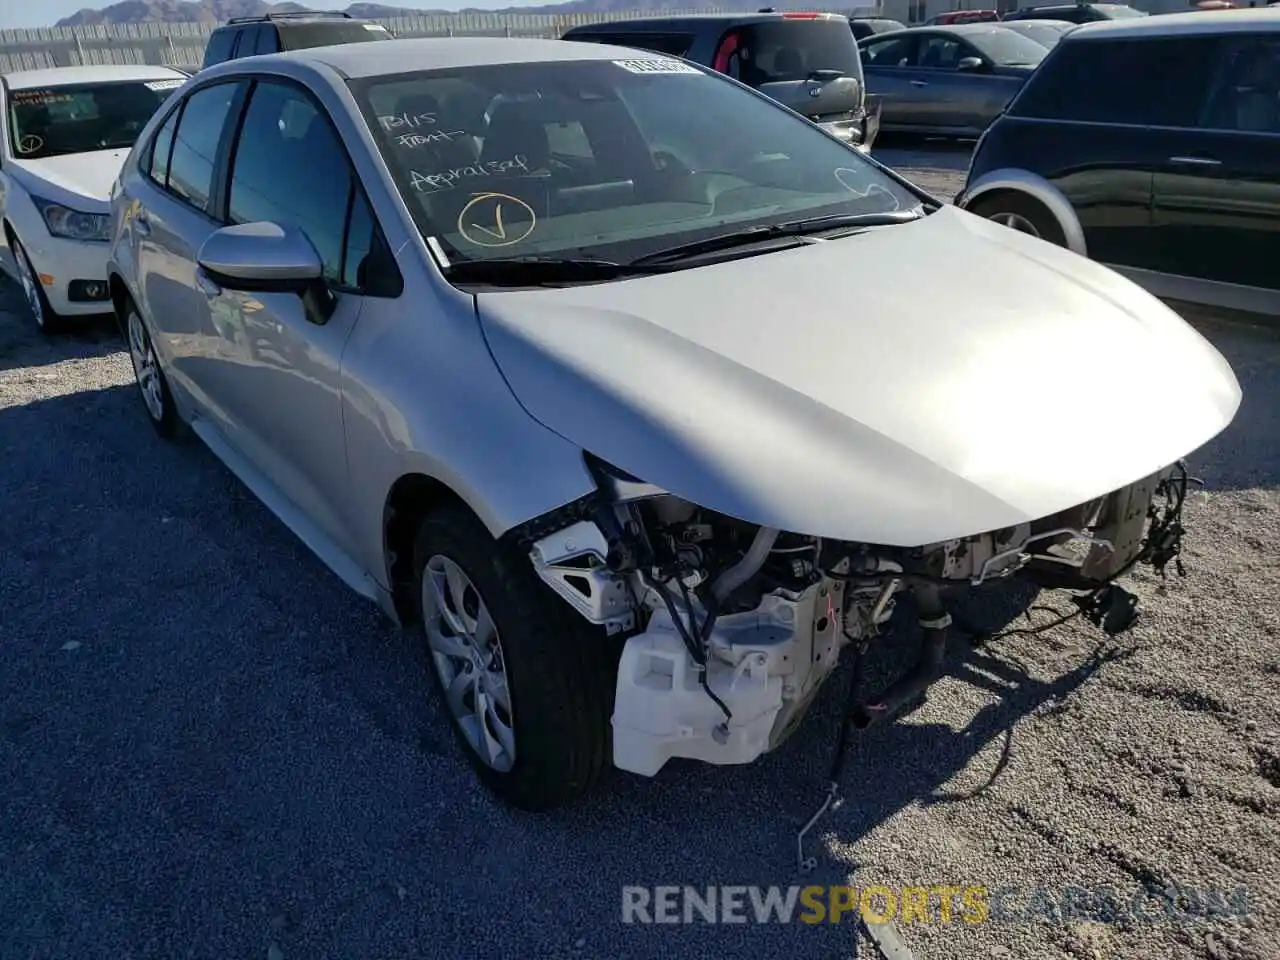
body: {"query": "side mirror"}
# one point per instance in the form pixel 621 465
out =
pixel 268 258
pixel 971 65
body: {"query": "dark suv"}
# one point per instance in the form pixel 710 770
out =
pixel 274 32
pixel 1078 12
pixel 806 61
pixel 1152 146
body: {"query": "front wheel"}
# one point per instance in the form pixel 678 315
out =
pixel 46 318
pixel 528 685
pixel 1022 213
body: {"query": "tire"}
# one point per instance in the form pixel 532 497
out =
pixel 1022 213
pixel 47 319
pixel 558 672
pixel 153 386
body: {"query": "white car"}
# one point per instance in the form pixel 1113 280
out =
pixel 66 132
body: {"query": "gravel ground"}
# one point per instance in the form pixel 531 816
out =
pixel 209 748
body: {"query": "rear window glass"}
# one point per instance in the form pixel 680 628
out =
pixel 219 48
pixel 1160 83
pixel 790 50
pixel 299 36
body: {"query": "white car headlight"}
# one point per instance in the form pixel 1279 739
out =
pixel 73 224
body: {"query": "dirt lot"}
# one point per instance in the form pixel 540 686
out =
pixel 209 748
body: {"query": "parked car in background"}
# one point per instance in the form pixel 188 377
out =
pixel 863 27
pixel 948 81
pixel 952 17
pixel 1047 33
pixel 66 131
pixel 1077 12
pixel 806 61
pixel 519 397
pixel 1152 146
pixel 277 32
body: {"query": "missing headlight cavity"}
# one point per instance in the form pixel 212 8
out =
pixel 731 628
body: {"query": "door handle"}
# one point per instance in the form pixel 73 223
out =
pixel 1196 161
pixel 205 285
pixel 919 83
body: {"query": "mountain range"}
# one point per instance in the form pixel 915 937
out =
pixel 217 11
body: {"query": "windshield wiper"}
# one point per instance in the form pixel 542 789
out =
pixel 762 233
pixel 542 271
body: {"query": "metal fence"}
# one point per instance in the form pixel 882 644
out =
pixel 183 44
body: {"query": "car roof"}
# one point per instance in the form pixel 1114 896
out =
pixel 389 57
pixel 1037 22
pixel 309 17
pixel 702 19
pixel 1247 20
pixel 61 76
pixel 959 29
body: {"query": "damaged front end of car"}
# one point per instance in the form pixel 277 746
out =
pixel 730 629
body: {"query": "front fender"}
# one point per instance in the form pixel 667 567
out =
pixel 1035 186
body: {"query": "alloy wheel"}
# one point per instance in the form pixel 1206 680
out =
pixel 30 282
pixel 146 369
pixel 1015 221
pixel 467 654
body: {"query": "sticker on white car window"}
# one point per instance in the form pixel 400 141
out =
pixel 30 144
pixel 39 98
pixel 654 65
pixel 164 84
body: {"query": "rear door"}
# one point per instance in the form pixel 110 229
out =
pixel 170 218
pixel 1217 196
pixel 886 64
pixel 1120 108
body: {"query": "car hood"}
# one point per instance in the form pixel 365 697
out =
pixel 76 178
pixel 904 386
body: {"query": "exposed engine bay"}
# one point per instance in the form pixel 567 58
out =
pixel 731 629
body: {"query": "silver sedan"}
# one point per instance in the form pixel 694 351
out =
pixel 616 383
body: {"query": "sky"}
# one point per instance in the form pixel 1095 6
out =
pixel 43 13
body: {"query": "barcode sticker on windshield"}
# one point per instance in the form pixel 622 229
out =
pixel 165 84
pixel 654 65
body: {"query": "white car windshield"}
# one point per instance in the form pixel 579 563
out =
pixel 58 120
pixel 608 159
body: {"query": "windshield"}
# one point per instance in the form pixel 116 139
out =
pixel 1042 33
pixel 789 50
pixel 1118 11
pixel 54 121
pixel 1006 48
pixel 611 159
pixel 299 36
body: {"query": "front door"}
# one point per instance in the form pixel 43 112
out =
pixel 278 370
pixel 1217 196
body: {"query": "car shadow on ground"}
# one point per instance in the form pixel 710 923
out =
pixel 245 632
pixel 184 684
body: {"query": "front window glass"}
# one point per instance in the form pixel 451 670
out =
pixel 54 121
pixel 606 159
pixel 1006 48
